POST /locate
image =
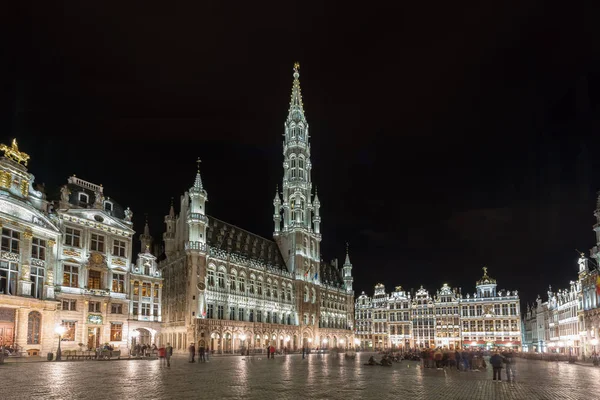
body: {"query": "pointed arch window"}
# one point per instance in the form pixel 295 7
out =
pixel 34 324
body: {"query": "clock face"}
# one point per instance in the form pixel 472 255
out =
pixel 201 286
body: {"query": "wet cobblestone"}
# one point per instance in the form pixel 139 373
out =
pixel 289 377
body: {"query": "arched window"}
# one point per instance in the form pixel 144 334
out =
pixel 306 294
pixel 232 283
pixel 211 277
pixel 314 295
pixel 242 283
pixel 221 279
pixel 259 286
pixel 33 327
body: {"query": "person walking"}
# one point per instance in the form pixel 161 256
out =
pixel 192 351
pixel 268 351
pixel 303 352
pixel 161 355
pixel 272 351
pixel 496 361
pixel 509 361
pixel 168 354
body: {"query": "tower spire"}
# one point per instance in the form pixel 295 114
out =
pixel 347 261
pixel 198 181
pixel 146 238
pixel 296 111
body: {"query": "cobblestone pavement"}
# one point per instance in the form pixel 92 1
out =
pixel 288 377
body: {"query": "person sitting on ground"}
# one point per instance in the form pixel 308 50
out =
pixel 372 361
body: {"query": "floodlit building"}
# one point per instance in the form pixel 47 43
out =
pixel 401 320
pixel 229 290
pixel 67 263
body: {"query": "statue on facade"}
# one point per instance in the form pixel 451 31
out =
pixel 99 200
pixel 64 193
pixel 128 214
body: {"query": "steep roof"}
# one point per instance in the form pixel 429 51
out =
pixel 233 239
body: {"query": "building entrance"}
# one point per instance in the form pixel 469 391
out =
pixel 93 338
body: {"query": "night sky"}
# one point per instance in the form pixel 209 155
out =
pixel 443 139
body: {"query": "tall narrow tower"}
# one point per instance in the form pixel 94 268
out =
pixel 348 280
pixel 298 241
pixel 197 252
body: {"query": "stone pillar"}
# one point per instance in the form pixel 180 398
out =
pixel 21 320
pixel 50 268
pixel 160 285
pixel 24 285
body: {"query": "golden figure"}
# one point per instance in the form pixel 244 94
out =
pixel 484 270
pixel 13 153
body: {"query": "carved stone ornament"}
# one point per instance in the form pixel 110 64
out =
pixel 96 259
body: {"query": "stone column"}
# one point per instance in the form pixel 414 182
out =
pixel 160 285
pixel 50 268
pixel 24 285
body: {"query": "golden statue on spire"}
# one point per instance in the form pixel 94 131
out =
pixel 484 271
pixel 13 153
pixel 296 66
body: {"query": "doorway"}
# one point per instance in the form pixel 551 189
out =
pixel 93 338
pixel 7 333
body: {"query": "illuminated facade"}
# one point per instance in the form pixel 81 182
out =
pixel 66 262
pixel 228 290
pixel 27 259
pixel 104 297
pixel 448 319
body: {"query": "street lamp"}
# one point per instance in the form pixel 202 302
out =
pixel 59 330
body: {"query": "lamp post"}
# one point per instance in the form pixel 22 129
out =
pixel 59 330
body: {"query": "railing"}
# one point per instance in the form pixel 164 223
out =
pixel 88 185
pixel 96 292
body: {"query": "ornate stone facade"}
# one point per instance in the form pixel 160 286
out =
pixel 68 263
pixel 227 289
pixel 448 319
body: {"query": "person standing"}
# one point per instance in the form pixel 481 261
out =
pixel 496 361
pixel 168 354
pixel 192 351
pixel 268 351
pixel 303 352
pixel 201 354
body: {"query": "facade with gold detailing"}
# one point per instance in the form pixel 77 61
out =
pixel 67 262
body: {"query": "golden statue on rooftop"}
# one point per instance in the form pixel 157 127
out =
pixel 13 153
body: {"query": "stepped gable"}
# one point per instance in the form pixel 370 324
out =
pixel 235 240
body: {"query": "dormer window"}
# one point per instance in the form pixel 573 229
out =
pixel 108 206
pixel 84 198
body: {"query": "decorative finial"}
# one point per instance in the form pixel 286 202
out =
pixel 172 200
pixel 198 162
pixel 347 246
pixel 484 270
pixel 296 70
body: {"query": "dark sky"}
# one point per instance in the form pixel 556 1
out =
pixel 444 138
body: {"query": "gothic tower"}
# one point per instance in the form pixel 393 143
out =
pixel 196 251
pixel 299 238
pixel 348 280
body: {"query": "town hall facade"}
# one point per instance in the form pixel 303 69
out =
pixel 229 290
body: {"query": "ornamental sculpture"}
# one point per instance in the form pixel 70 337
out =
pixel 13 153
